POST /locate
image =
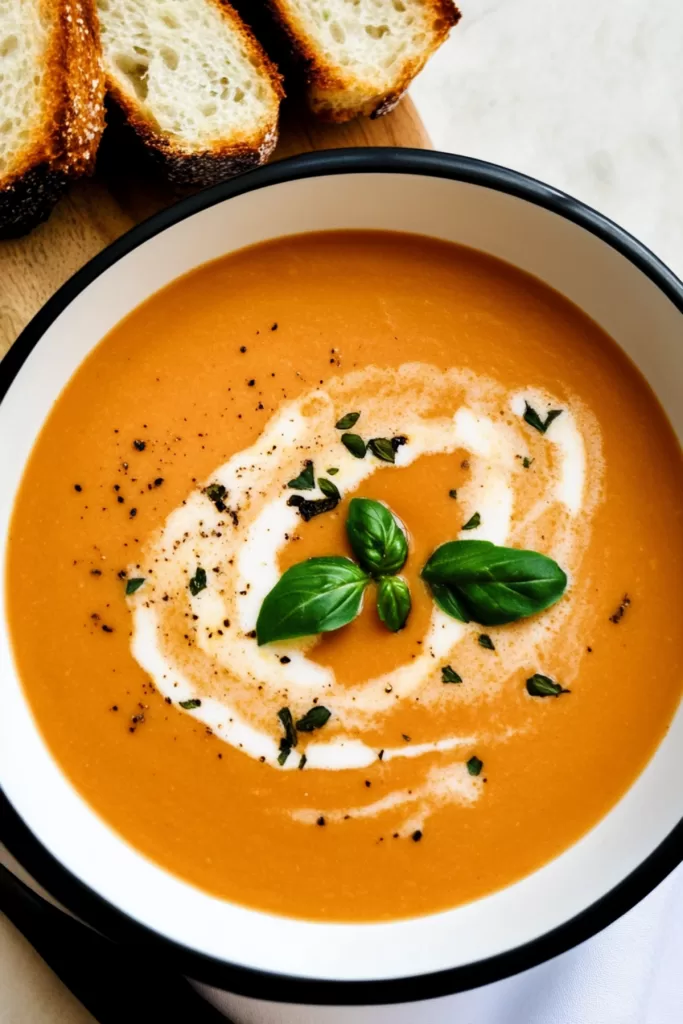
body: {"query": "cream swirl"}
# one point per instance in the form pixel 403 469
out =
pixel 200 647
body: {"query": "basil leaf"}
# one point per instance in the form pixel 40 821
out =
pixel 332 470
pixel 314 719
pixel 189 705
pixel 493 585
pixel 449 675
pixel 484 640
pixel 309 508
pixel 355 444
pixel 305 481
pixel 377 540
pixel 393 602
pixel 290 737
pixel 534 420
pixel 382 448
pixel 315 596
pixel 134 584
pixel 198 581
pixel 328 488
pixel 473 522
pixel 347 421
pixel 543 686
pixel 474 765
pixel 448 602
pixel 285 751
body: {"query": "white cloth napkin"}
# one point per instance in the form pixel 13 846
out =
pixel 631 973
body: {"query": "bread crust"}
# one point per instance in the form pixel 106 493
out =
pixel 65 142
pixel 221 159
pixel 335 96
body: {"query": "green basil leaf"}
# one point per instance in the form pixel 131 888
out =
pixel 473 522
pixel 484 640
pixel 382 448
pixel 315 596
pixel 494 585
pixel 190 705
pixel 329 489
pixel 534 420
pixel 308 508
pixel 134 584
pixel 393 602
pixel 355 444
pixel 449 675
pixel 198 581
pixel 448 602
pixel 332 470
pixel 314 719
pixel 377 540
pixel 305 481
pixel 474 765
pixel 347 421
pixel 285 751
pixel 543 686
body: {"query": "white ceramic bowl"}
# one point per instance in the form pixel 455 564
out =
pixel 76 856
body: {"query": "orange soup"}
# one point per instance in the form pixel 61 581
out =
pixel 340 576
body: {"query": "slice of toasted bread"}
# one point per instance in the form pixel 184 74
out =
pixel 361 55
pixel 51 105
pixel 193 83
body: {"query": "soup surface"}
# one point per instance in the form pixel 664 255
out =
pixel 156 514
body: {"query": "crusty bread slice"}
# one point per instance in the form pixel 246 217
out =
pixel 51 105
pixel 193 83
pixel 361 55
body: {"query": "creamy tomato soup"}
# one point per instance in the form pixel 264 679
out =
pixel 482 662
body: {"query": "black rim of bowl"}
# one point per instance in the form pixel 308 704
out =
pixel 103 916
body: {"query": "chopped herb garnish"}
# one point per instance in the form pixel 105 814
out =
pixel 134 584
pixel 189 705
pixel 328 488
pixel 332 470
pixel 290 737
pixel 198 581
pixel 355 444
pixel 308 508
pixel 473 522
pixel 474 766
pixel 139 446
pixel 306 479
pixel 313 719
pixel 284 753
pixel 382 448
pixel 453 493
pixel 215 493
pixel 398 442
pixel 543 686
pixel 347 421
pixel 621 610
pixel 302 761
pixel 534 420
pixel 526 461
pixel 449 675
pixel 484 640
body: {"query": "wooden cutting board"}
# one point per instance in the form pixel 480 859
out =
pixel 126 191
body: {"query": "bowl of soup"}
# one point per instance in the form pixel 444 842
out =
pixel 340 660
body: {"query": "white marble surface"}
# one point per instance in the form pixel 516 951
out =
pixel 586 95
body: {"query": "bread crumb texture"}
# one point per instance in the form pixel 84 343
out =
pixel 361 55
pixel 193 82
